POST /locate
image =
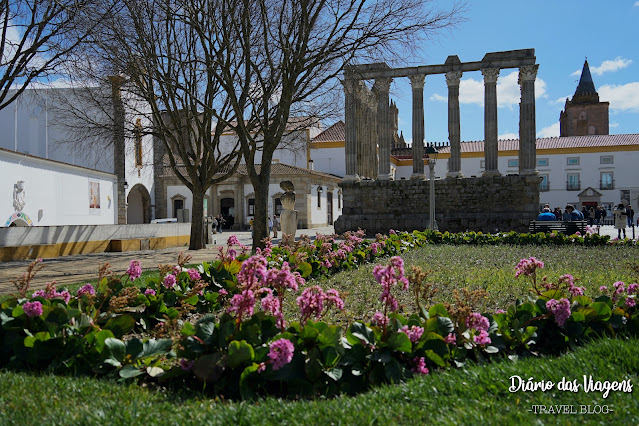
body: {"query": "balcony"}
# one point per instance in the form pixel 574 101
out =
pixel 607 184
pixel 544 187
pixel 573 186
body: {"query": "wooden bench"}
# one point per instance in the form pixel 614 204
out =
pixel 567 228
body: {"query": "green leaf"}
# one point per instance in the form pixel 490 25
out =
pixel 129 371
pixel 187 329
pixel 330 337
pixel 305 269
pixel 438 310
pixel 120 325
pixel 362 332
pixel 114 351
pixel 100 339
pixel 603 310
pixel 134 348
pixel 491 350
pixel 445 325
pixel 239 353
pixel 153 347
pixel 154 371
pixel 246 391
pixel 394 371
pixel 435 358
pixel 400 342
pixel 334 373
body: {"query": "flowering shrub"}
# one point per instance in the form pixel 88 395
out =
pixel 249 348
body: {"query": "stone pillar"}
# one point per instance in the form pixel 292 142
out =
pixel 350 123
pixel 417 83
pixel 384 136
pixel 118 146
pixel 454 162
pixel 490 121
pixel 527 125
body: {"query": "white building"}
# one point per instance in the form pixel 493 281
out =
pixel 65 162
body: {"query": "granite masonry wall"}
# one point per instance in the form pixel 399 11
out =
pixel 487 204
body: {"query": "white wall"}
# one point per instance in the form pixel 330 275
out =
pixel 185 192
pixel 55 193
pixel 329 160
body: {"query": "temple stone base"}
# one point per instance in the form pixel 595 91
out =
pixel 487 204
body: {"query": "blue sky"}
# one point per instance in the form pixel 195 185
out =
pixel 563 33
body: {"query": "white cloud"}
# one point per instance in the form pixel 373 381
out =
pixel 624 97
pixel 609 65
pixel 613 125
pixel 560 101
pixel 508 136
pixel 471 91
pixel 438 97
pixel 550 131
pixel 637 3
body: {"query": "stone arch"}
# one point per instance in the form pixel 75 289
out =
pixel 138 205
pixel 178 202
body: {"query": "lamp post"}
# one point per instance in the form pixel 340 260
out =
pixel 431 155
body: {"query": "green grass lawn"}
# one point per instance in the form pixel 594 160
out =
pixel 473 395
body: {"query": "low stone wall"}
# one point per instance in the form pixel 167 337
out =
pixel 18 243
pixel 490 204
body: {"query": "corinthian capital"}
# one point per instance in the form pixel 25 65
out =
pixel 453 78
pixel 528 73
pixel 417 81
pixel 382 84
pixel 490 75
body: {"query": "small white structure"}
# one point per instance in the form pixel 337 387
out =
pixel 41 192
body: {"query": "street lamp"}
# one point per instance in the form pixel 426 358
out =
pixel 431 155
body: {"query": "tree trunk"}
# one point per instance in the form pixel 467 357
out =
pixel 260 221
pixel 197 219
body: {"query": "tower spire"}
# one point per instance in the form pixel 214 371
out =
pixel 586 86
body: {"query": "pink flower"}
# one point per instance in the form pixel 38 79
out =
pixel 281 353
pixel 86 289
pixel 149 292
pixel 500 311
pixel 379 319
pixel 134 270
pixel 419 366
pixel 633 288
pixel 32 309
pixel 414 333
pixel 242 303
pixel 332 297
pixel 451 339
pixel 603 289
pixel 387 276
pixel 194 274
pixel 51 293
pixel 186 365
pixel 528 266
pixel 269 303
pixel 477 321
pixel 482 338
pixel 283 278
pixel 261 367
pixel 630 302
pixel 311 302
pixel 560 310
pixel 169 281
pixel 222 292
pixel 252 271
pixel 233 241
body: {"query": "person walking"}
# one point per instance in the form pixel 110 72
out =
pixel 276 224
pixel 621 220
pixel 251 226
pixel 630 214
pixel 598 215
pixel 270 225
pixel 591 216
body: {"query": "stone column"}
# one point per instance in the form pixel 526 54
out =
pixel 454 162
pixel 350 123
pixel 490 121
pixel 119 155
pixel 384 136
pixel 527 125
pixel 417 83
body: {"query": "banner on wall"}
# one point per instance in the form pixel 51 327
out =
pixel 94 197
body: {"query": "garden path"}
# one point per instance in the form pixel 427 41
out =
pixel 79 268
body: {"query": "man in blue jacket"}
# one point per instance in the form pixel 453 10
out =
pixel 546 214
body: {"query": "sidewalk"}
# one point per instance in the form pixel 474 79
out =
pixel 79 268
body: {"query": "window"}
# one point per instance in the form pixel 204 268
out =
pixel 542 162
pixel 178 204
pixel 278 206
pixel 573 182
pixel 339 199
pixel 572 161
pixel 543 185
pixel 513 163
pixel 319 197
pixel 138 143
pixel 607 181
pixel 606 159
pixel 251 206
pixel 482 164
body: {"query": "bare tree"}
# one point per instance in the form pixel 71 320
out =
pixel 36 37
pixel 164 60
pixel 285 56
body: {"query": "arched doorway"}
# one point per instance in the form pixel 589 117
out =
pixel 227 208
pixel 138 205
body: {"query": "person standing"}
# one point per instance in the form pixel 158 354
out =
pixel 276 224
pixel 591 216
pixel 566 215
pixel 270 225
pixel 598 215
pixel 630 214
pixel 557 213
pixel 621 220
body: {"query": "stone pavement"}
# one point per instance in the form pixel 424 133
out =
pixel 80 268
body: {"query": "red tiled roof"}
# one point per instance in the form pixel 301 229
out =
pixel 335 133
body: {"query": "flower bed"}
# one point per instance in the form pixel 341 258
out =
pixel 243 346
